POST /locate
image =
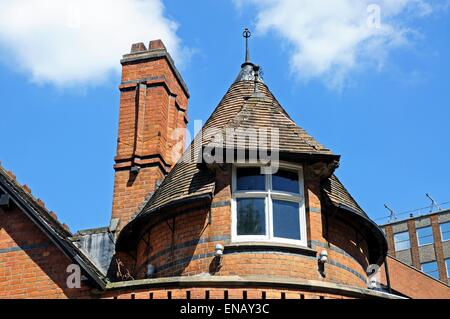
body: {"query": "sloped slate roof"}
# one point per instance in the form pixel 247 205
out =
pixel 340 197
pixel 238 110
pixel 185 180
pixel 9 181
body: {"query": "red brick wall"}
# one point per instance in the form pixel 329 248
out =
pixel 412 282
pixel 149 115
pixel 184 245
pixel 414 244
pixel 130 191
pixel 35 268
pixel 30 265
pixel 440 257
pixel 390 239
pixel 40 272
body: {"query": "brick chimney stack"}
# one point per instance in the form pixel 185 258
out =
pixel 153 103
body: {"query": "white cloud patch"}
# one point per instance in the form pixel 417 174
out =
pixel 78 42
pixel 328 39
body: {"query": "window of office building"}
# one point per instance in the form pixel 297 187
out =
pixel 401 241
pixel 447 266
pixel 445 231
pixel 431 269
pixel 425 235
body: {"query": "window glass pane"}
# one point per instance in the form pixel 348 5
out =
pixel 431 269
pixel 401 241
pixel 445 231
pixel 425 235
pixel 286 220
pixel 250 179
pixel 447 265
pixel 251 217
pixel 285 181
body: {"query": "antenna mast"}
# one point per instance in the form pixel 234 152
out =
pixel 433 203
pixel 392 215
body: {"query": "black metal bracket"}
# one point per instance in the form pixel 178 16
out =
pixel 135 170
pixel 322 271
pixel 171 227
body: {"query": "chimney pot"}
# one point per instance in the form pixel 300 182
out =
pixel 147 118
pixel 53 215
pixel 11 175
pixel 41 203
pixel 156 45
pixel 138 47
pixel 26 189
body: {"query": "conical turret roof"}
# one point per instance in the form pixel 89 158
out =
pixel 242 108
pixel 237 110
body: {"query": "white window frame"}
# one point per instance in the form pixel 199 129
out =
pixel 437 268
pixel 418 238
pixel 269 195
pixel 442 234
pixel 447 269
pixel 402 241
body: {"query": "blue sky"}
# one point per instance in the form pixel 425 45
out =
pixel 381 100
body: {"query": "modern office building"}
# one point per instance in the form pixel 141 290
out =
pixel 422 242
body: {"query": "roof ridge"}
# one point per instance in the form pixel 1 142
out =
pixel 38 202
pixel 52 227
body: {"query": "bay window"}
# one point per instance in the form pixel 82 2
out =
pixel 268 207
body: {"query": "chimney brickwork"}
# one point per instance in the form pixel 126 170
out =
pixel 153 104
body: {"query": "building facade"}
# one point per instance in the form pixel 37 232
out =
pixel 422 242
pixel 251 209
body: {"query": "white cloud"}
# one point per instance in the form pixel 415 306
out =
pixel 79 42
pixel 328 39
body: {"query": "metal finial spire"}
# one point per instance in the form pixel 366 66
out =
pixel 247 73
pixel 247 34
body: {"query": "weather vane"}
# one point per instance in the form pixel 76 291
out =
pixel 247 34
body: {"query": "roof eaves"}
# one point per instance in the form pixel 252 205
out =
pixel 60 240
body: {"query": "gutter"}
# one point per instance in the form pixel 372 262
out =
pixel 371 225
